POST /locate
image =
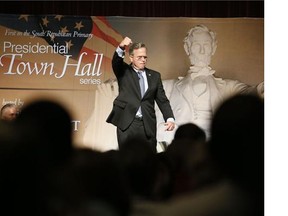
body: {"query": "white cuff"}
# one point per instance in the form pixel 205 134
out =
pixel 120 52
pixel 171 120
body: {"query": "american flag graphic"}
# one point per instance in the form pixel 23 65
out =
pixel 66 29
pixel 89 34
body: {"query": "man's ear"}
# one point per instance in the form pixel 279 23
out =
pixel 186 48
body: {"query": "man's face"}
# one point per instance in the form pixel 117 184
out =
pixel 201 49
pixel 139 58
pixel 9 114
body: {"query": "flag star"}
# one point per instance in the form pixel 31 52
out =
pixel 64 30
pixel 24 16
pixel 45 21
pixel 58 17
pixel 69 44
pixel 79 25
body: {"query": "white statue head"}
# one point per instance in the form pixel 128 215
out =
pixel 200 45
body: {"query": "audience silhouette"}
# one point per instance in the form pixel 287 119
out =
pixel 187 156
pixel 43 173
pixel 237 145
pixel 236 148
pixel 91 184
pixel 139 162
pixel 42 143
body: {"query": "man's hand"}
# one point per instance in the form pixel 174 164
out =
pixel 125 42
pixel 169 126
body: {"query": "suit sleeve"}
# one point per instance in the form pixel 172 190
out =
pixel 118 65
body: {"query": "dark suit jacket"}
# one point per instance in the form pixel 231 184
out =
pixel 129 99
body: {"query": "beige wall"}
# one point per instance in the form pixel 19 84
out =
pixel 240 52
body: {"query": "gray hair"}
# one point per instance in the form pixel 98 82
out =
pixel 7 106
pixel 134 46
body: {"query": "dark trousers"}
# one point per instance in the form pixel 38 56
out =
pixel 135 131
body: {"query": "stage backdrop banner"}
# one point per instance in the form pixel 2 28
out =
pixel 67 58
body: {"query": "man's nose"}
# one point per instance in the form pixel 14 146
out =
pixel 202 50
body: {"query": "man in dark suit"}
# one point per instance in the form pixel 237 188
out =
pixel 133 111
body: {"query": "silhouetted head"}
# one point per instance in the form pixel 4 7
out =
pixel 139 162
pixel 237 139
pixel 45 129
pixel 190 131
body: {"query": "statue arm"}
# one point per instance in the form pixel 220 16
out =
pixel 238 87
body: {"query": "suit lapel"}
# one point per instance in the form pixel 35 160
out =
pixel 149 79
